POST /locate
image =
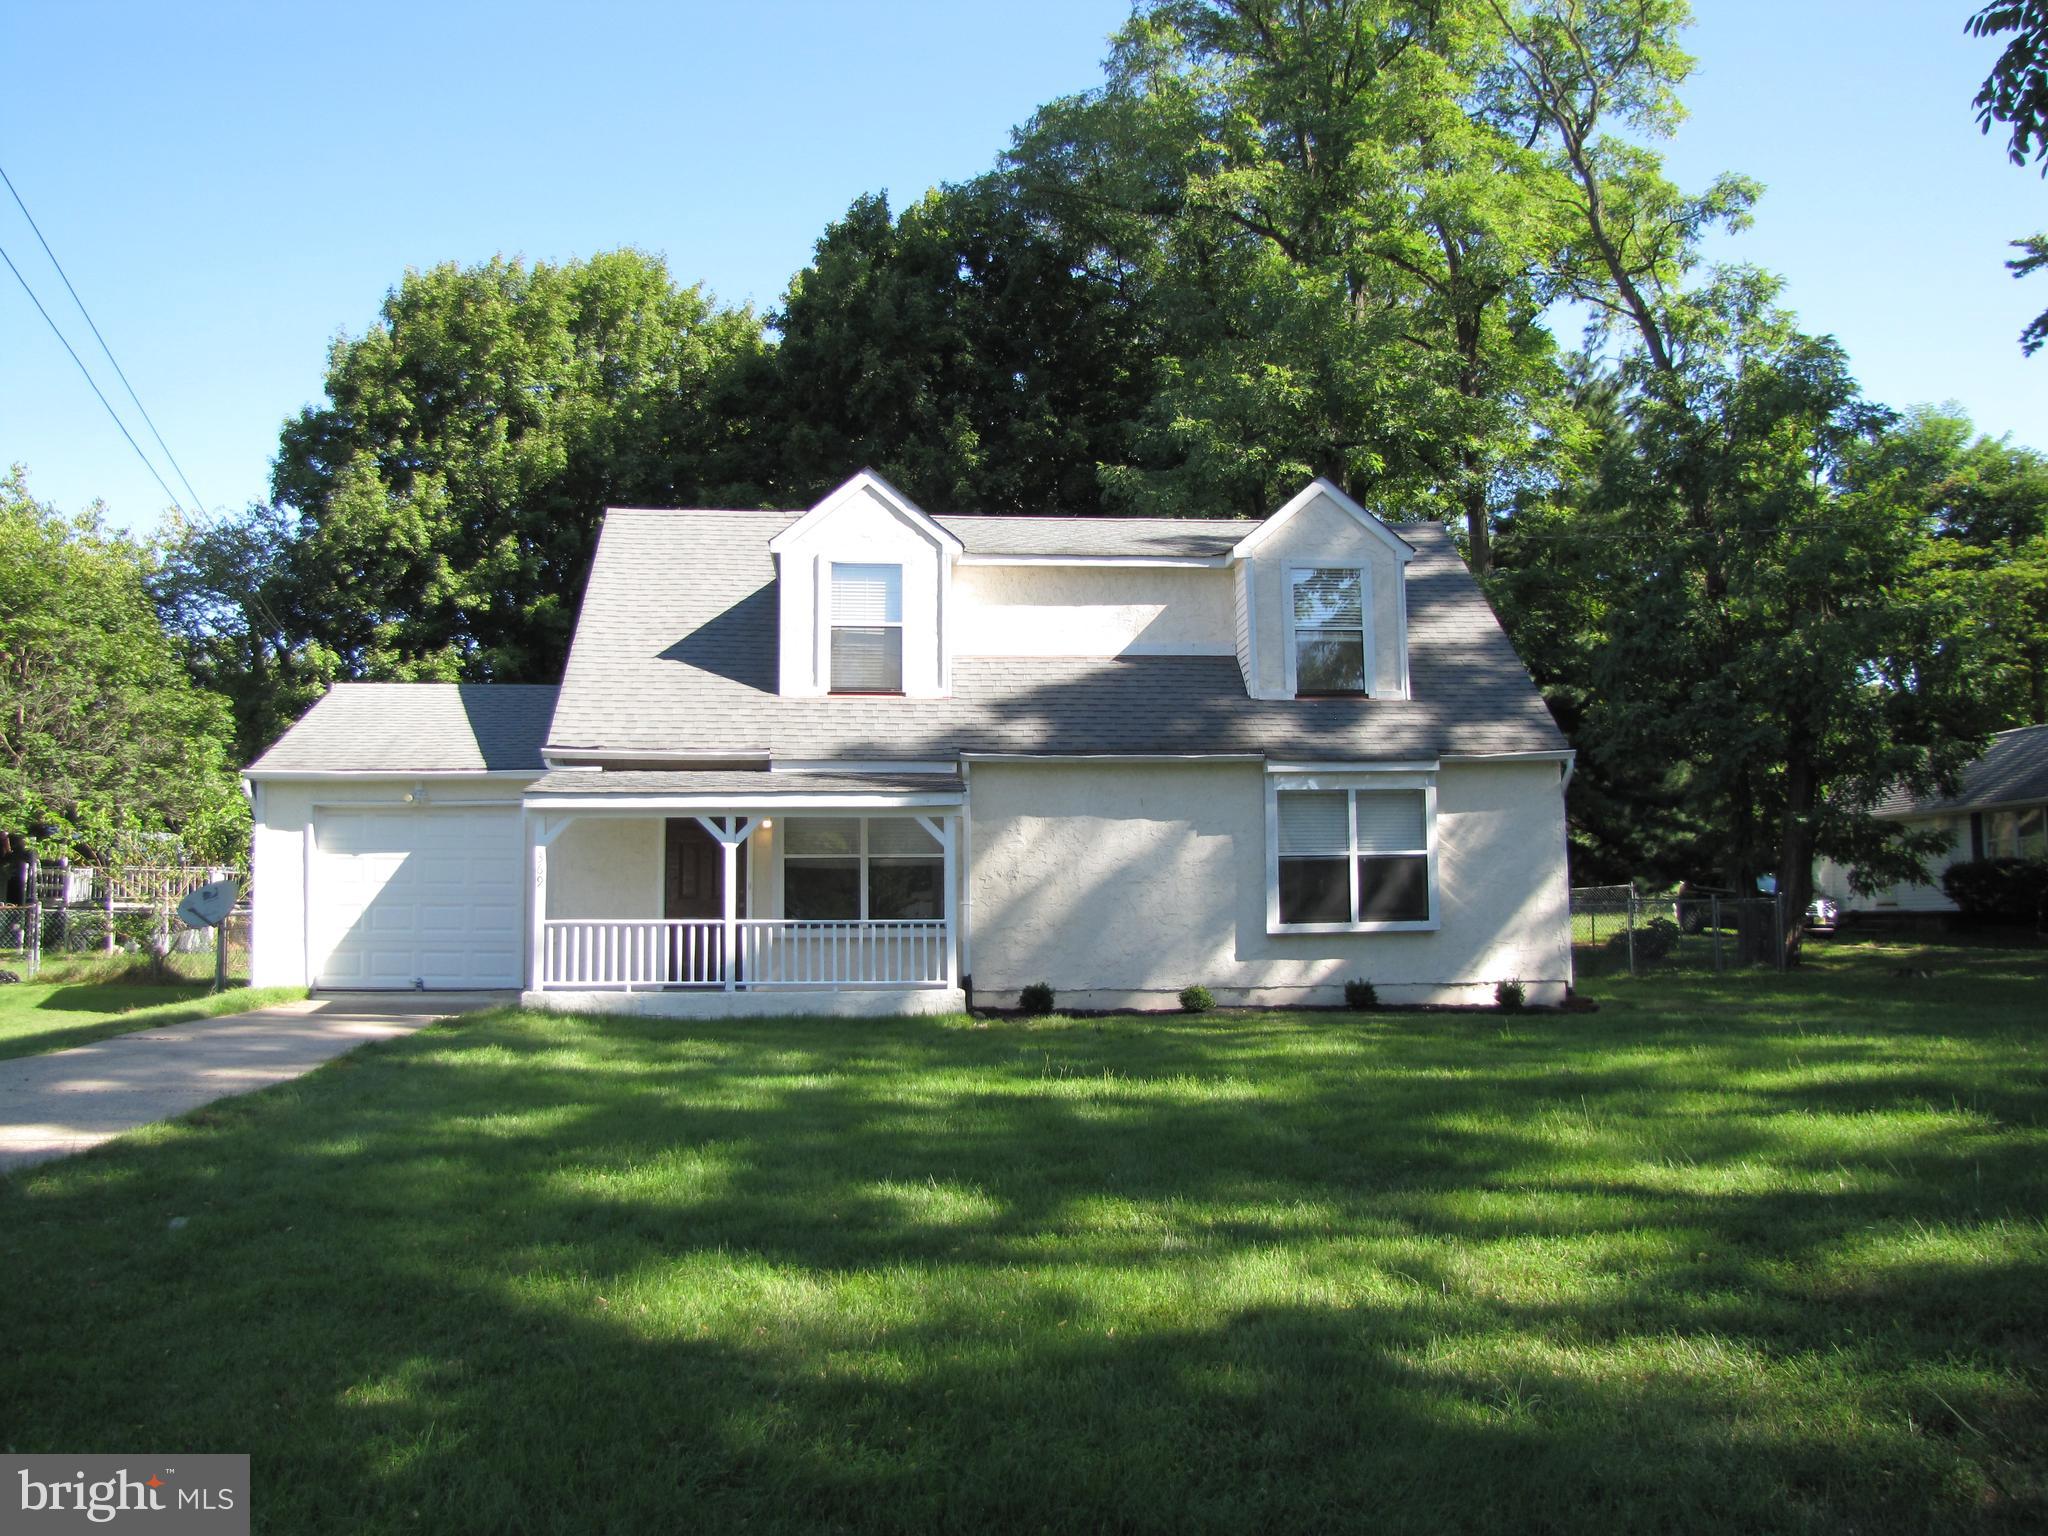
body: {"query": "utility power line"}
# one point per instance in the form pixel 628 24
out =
pixel 116 415
pixel 199 515
pixel 198 503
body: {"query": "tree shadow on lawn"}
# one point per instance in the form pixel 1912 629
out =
pixel 1407 1273
pixel 116 997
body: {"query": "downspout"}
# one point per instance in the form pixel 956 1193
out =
pixel 965 873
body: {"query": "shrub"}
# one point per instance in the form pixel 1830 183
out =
pixel 1196 999
pixel 1509 996
pixel 1999 890
pixel 1036 999
pixel 1655 940
pixel 1360 996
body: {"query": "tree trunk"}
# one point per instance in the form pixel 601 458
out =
pixel 1478 526
pixel 1795 849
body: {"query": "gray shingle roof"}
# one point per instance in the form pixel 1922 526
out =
pixel 676 650
pixel 418 728
pixel 581 781
pixel 2012 771
pixel 981 533
pixel 1168 538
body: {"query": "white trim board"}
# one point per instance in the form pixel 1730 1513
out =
pixel 1120 562
pixel 895 500
pixel 361 775
pixel 739 805
pixel 1249 544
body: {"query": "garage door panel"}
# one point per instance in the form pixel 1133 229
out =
pixel 429 897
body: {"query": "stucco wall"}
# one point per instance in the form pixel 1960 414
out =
pixel 607 866
pixel 1324 534
pixel 1122 883
pixel 864 530
pixel 283 810
pixel 1040 610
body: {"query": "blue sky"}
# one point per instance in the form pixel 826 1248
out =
pixel 231 186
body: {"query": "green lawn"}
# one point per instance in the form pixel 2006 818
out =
pixel 1746 1254
pixel 50 1015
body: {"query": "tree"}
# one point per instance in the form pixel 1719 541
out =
pixel 223 591
pixel 444 502
pixel 2015 95
pixel 1345 266
pixel 102 734
pixel 1986 502
pixel 1766 638
pixel 962 350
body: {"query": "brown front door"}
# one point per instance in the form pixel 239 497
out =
pixel 693 879
pixel 693 886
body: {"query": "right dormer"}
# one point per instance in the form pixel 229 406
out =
pixel 1322 602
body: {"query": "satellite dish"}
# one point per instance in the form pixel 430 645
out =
pixel 208 906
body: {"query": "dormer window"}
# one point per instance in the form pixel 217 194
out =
pixel 1326 632
pixel 867 628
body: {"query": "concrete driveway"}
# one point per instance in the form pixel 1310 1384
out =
pixel 65 1101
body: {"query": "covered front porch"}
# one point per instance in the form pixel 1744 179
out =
pixel 735 893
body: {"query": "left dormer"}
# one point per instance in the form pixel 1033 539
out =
pixel 862 582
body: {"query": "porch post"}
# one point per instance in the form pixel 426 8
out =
pixel 731 850
pixel 536 933
pixel 949 838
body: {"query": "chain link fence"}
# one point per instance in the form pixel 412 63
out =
pixel 86 943
pixel 1618 930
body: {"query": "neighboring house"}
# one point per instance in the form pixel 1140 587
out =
pixel 859 759
pixel 2000 810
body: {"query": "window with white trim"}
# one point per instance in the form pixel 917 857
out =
pixel 2021 834
pixel 1326 631
pixel 867 628
pixel 1352 857
pixel 849 868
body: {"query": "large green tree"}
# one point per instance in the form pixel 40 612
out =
pixel 1343 257
pixel 961 348
pixel 102 733
pixel 2015 97
pixel 1757 636
pixel 445 498
pixel 1985 500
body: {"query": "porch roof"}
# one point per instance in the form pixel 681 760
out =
pixel 739 788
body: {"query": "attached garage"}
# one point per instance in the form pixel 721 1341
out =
pixel 415 897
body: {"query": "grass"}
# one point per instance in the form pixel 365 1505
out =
pixel 51 1015
pixel 1751 1253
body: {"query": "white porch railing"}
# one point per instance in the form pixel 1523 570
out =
pixel 600 953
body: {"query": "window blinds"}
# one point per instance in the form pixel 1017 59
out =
pixel 821 836
pixel 896 837
pixel 1314 823
pixel 1390 821
pixel 867 594
pixel 1328 599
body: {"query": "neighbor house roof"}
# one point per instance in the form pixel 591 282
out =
pixel 417 728
pixel 2012 771
pixel 676 650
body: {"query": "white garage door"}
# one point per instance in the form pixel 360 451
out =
pixel 420 897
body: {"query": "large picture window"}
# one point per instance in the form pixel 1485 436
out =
pixel 2019 834
pixel 867 628
pixel 848 868
pixel 1326 631
pixel 1352 857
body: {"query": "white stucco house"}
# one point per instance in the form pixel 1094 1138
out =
pixel 861 759
pixel 1999 810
